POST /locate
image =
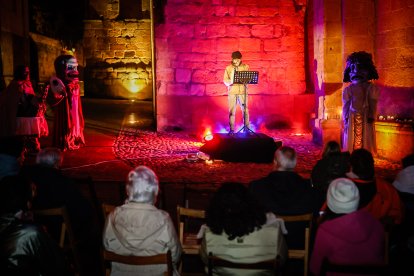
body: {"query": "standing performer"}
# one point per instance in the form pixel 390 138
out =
pixel 359 103
pixel 64 96
pixel 22 111
pixel 236 92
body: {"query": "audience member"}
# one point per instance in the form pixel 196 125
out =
pixel 139 228
pixel 403 235
pixel 404 181
pixel 11 156
pixel 346 234
pixel 54 189
pixel 285 192
pixel 239 230
pixel 25 249
pixel 377 196
pixel 334 164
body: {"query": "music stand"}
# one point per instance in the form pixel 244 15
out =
pixel 245 77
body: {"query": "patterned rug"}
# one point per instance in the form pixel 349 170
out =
pixel 167 154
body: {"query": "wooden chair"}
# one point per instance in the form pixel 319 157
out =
pixel 214 261
pixel 359 269
pixel 189 241
pixel 165 258
pixel 67 240
pixel 301 254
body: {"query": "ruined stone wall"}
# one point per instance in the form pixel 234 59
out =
pixel 118 55
pixel 195 44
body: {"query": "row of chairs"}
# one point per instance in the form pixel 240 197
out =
pixel 189 243
pixel 190 246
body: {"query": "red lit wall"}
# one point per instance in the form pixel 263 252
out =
pixel 194 45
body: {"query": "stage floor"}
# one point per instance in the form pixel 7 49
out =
pixel 119 136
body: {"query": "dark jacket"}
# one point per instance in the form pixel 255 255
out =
pixel 287 193
pixel 25 249
pixel 56 190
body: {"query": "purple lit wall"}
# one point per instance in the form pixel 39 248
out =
pixel 194 45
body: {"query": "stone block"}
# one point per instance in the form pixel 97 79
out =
pixel 182 75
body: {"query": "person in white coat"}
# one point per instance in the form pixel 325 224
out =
pixel 139 228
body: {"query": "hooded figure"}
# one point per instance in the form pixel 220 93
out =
pixel 64 97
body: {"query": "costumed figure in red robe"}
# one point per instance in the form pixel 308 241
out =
pixel 64 97
pixel 22 111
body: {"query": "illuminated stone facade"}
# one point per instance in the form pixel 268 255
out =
pixel 118 53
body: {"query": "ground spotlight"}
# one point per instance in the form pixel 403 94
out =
pixel 208 137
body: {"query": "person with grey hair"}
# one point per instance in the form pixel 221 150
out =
pixel 50 157
pixel 139 228
pixel 285 192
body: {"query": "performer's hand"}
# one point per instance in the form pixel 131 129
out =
pixel 370 120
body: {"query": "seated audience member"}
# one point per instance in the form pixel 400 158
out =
pixel 11 155
pixel 347 235
pixel 239 230
pixel 404 182
pixel 53 189
pixel 284 192
pixel 377 196
pixel 25 249
pixel 334 164
pixel 403 236
pixel 139 228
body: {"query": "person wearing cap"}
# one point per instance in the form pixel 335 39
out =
pixel 346 234
pixel 236 92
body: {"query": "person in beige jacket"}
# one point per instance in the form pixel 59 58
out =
pixel 236 92
pixel 239 230
pixel 139 228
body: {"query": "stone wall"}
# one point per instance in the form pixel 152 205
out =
pixel 117 54
pixel 394 57
pixel 194 45
pixel 48 49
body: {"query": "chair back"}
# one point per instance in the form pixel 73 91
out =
pixel 67 240
pixel 302 253
pixel 164 258
pixel 188 240
pixel 214 261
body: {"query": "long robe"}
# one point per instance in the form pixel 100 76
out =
pixel 68 122
pixel 359 103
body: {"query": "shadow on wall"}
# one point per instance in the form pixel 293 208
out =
pixel 397 102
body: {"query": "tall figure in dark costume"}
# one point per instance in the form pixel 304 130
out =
pixel 64 97
pixel 359 100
